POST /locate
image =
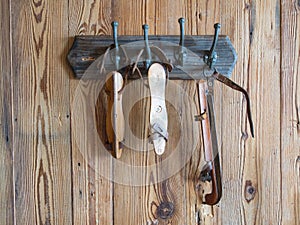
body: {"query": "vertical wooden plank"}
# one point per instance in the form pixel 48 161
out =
pixel 290 112
pixel 89 18
pixel 204 14
pixel 264 80
pixel 130 15
pixel 166 15
pixel 235 24
pixel 6 134
pixel 92 194
pixel 41 113
pixel 250 194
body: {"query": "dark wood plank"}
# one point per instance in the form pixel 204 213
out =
pixel 6 133
pixel 87 49
pixel 290 112
pixel 41 113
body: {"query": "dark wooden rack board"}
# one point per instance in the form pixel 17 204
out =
pixel 87 49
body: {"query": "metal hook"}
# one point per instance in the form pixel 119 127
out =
pixel 148 59
pixel 114 25
pixel 181 21
pixel 211 58
pixel 217 27
pixel 182 54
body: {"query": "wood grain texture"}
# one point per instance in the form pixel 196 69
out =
pixel 187 200
pixel 290 112
pixel 145 202
pixel 45 178
pixel 92 194
pixel 42 165
pixel 249 163
pixel 6 133
pixel 128 13
pixel 87 49
pixel 232 112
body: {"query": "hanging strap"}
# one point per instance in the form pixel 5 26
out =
pixel 235 86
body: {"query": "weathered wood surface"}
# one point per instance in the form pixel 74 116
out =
pixel 87 49
pixel 6 146
pixel 290 112
pixel 92 195
pixel 41 113
pixel 45 178
pixel 251 166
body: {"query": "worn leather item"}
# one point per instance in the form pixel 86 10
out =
pixel 225 80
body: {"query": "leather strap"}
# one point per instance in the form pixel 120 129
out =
pixel 231 84
pixel 158 131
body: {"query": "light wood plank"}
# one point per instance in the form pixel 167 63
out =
pixel 6 133
pixel 249 163
pixel 236 25
pixel 42 162
pixel 130 16
pixel 290 112
pixel 92 193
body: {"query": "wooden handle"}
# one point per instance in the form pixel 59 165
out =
pixel 115 116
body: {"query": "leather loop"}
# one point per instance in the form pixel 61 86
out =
pixel 157 132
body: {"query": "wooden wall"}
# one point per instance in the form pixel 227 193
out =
pixel 45 179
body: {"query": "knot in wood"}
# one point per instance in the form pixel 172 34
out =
pixel 165 210
pixel 250 191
